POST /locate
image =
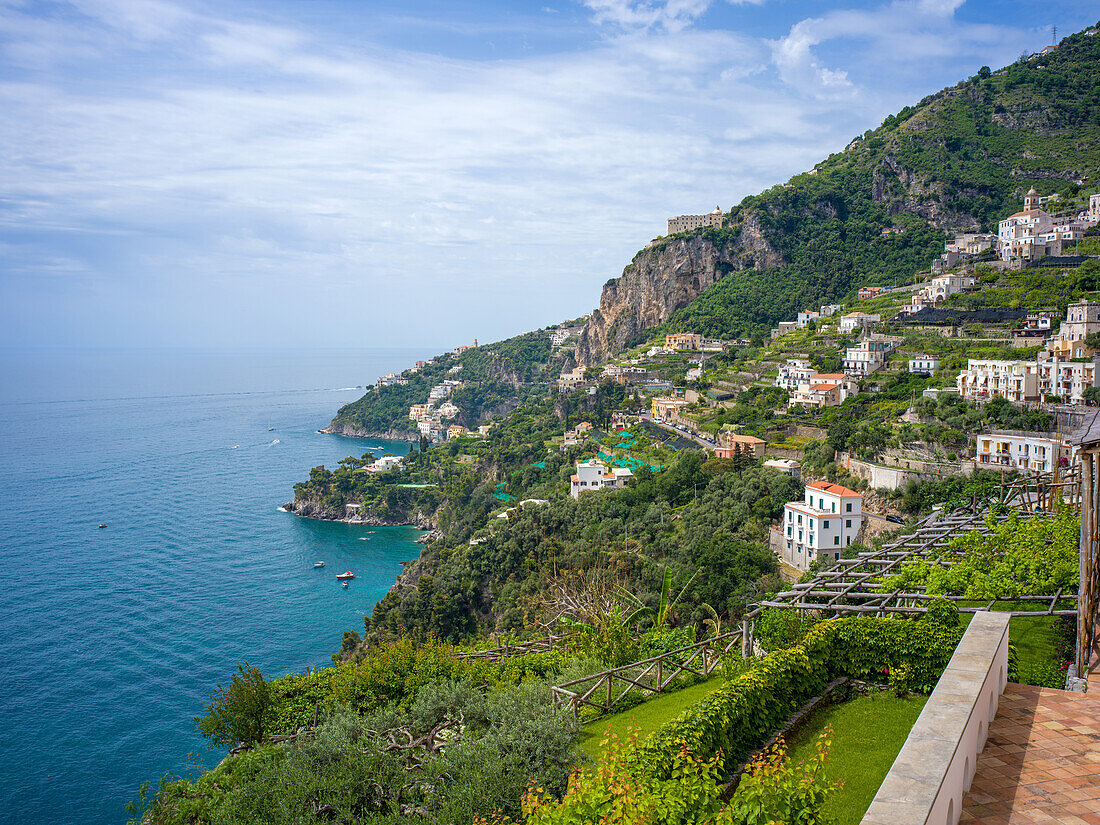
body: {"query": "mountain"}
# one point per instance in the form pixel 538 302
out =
pixel 960 160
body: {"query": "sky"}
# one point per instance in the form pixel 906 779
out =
pixel 356 174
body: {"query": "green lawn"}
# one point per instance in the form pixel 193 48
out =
pixel 644 718
pixel 1036 643
pixel 868 733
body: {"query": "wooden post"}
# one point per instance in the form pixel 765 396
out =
pixel 746 649
pixel 660 662
pixel 1084 594
pixel 607 678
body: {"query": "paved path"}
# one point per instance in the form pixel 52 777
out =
pixel 1041 763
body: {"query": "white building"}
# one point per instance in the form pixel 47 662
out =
pixel 829 309
pixel 386 462
pixel 1030 452
pixel 868 355
pixel 594 475
pixel 1082 319
pixel 824 390
pixel 924 363
pixel 1067 379
pixel 984 379
pixel 971 243
pixel 796 371
pixel 1019 235
pixel 854 321
pixel 944 286
pixel 787 466
pixel 804 318
pixel 571 378
pixel 447 410
pixel 821 526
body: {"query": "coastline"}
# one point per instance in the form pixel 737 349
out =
pixel 336 427
pixel 314 510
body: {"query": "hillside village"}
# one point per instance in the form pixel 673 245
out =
pixel 760 488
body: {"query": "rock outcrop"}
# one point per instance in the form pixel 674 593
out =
pixel 664 278
pixel 340 427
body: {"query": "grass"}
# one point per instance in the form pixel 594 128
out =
pixel 643 719
pixel 868 733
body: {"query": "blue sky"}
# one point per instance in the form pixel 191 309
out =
pixel 326 173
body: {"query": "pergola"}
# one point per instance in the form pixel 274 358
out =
pixel 852 586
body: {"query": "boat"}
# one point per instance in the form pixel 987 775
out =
pixel 318 564
pixel 102 526
pixel 346 575
pixel 345 584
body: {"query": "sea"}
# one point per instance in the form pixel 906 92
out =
pixel 112 638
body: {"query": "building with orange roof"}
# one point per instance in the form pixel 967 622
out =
pixel 820 527
pixel 595 475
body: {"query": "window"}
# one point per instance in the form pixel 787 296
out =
pixel 799 536
pixel 811 539
pixel 836 539
pixel 836 556
pixel 811 524
pixel 788 529
pixel 834 507
pixel 848 508
pixel 847 522
pixel 799 518
pixel 825 525
pixel 849 542
pixel 790 516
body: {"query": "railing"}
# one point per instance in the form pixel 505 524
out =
pixel 543 645
pixel 608 688
pixel 929 778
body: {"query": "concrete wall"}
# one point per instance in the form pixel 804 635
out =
pixel 928 779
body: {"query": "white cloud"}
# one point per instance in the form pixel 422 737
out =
pixel 668 15
pixel 178 156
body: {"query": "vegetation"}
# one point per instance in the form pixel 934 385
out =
pixel 867 734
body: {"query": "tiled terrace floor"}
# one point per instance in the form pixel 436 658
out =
pixel 1041 763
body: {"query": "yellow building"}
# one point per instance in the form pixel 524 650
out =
pixel 684 340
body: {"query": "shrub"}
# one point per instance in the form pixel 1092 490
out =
pixel 740 715
pixel 239 713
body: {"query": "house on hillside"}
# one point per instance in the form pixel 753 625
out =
pixel 1026 451
pixel 828 521
pixel 855 321
pixel 595 475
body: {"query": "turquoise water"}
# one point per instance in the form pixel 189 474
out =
pixel 113 638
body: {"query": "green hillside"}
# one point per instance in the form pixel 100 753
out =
pixel 960 160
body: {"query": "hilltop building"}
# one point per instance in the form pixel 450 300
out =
pixel 684 340
pixel 821 526
pixel 686 223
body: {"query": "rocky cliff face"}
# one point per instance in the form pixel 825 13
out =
pixel 341 427
pixel 663 279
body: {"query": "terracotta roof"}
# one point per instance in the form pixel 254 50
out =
pixel 574 478
pixel 834 376
pixel 835 489
pixel 823 387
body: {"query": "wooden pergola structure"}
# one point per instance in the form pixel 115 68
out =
pixel 853 586
pixel 1087 441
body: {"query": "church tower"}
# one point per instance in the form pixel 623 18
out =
pixel 1031 200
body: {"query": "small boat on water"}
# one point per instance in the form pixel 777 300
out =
pixel 102 526
pixel 318 564
pixel 346 575
pixel 345 584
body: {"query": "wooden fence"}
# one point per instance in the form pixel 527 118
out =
pixel 606 689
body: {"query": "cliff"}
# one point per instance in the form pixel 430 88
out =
pixel 876 212
pixel 664 278
pixel 315 509
pixel 344 427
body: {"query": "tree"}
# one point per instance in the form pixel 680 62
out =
pixel 237 713
pixel 984 72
